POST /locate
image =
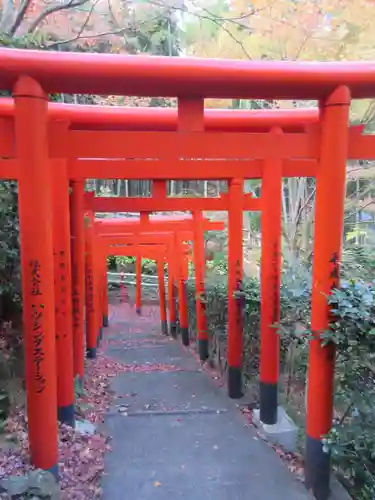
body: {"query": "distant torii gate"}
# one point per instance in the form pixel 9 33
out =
pixel 180 226
pixel 176 269
pixel 176 259
pixel 157 252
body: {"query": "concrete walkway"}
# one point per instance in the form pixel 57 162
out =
pixel 177 435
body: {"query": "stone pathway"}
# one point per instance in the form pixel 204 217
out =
pixel 175 434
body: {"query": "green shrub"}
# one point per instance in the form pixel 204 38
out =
pixel 352 439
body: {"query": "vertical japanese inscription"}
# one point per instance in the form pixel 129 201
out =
pixel 240 310
pixel 62 289
pixel 76 300
pixel 335 271
pixel 90 290
pixel 275 283
pixel 334 276
pixel 35 277
pixel 202 296
pixel 37 332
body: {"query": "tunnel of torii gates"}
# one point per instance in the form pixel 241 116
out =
pixel 110 231
pixel 185 229
pixel 43 147
pixel 161 254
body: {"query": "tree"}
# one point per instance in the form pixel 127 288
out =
pixel 26 16
pixel 291 30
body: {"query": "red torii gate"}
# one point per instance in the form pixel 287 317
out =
pixel 134 225
pixel 332 144
pixel 86 117
pixel 176 269
pixel 180 226
pixel 153 252
pixel 159 202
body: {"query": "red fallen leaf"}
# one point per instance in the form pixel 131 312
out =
pixel 81 457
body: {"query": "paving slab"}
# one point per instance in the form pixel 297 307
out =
pixel 195 457
pixel 150 354
pixel 169 390
pixel 178 436
pixel 133 336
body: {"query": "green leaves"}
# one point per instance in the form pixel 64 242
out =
pixel 352 330
pixel 10 283
pixel 352 441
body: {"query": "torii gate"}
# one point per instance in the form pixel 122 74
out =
pixel 182 270
pixel 216 120
pixel 153 252
pixel 157 252
pixel 224 202
pixel 117 242
pixel 177 269
pixel 179 225
pixel 183 229
pixel 332 144
pixel 86 117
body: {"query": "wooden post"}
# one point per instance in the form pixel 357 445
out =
pixel 77 227
pixel 191 118
pixel 105 304
pixel 329 223
pixel 138 284
pixel 182 297
pixel 270 276
pixel 163 307
pixel 159 191
pixel 35 211
pixel 200 289
pixel 122 288
pixel 98 286
pixel 91 316
pixel 235 299
pixel 63 294
pixel 171 296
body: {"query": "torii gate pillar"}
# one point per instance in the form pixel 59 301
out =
pixel 235 291
pixel 35 201
pixel 329 222
pixel 92 326
pixel 77 228
pixel 63 295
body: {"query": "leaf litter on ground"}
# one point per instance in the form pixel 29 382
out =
pixel 81 456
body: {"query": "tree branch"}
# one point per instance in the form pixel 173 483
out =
pixel 52 9
pixel 82 28
pixel 305 204
pixel 19 17
pixel 80 36
pixel 302 46
pixel 114 19
pixel 214 19
pixel 120 31
pixel 371 202
pixel 235 19
pixel 228 32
